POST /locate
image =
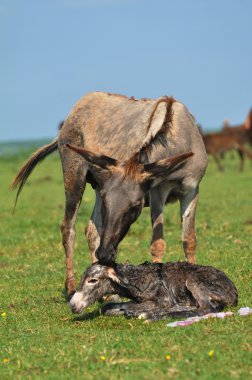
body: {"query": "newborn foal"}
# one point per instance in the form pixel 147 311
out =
pixel 156 290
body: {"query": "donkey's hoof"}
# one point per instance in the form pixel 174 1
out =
pixel 191 259
pixel 70 287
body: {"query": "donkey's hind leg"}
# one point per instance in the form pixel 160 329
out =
pixel 74 171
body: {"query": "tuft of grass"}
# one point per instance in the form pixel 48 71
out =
pixel 40 338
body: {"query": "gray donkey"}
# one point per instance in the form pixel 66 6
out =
pixel 156 290
pixel 135 153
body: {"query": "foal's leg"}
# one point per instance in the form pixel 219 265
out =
pixel 74 171
pixel 188 204
pixel 94 227
pixel 158 197
pixel 129 309
pixel 161 313
pixel 148 310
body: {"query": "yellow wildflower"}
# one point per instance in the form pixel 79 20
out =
pixel 211 353
pixel 6 360
pixel 167 357
pixel 103 357
pixel 3 314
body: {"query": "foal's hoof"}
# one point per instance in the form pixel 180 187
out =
pixel 143 316
pixel 113 309
pixel 129 314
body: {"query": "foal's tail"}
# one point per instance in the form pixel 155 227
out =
pixel 30 164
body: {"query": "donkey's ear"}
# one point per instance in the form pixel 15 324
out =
pixel 100 160
pixel 165 166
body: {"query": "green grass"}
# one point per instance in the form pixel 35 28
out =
pixel 41 339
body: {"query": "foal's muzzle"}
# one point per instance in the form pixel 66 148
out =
pixel 77 304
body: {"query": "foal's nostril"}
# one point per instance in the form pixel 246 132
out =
pixel 74 309
pixel 76 303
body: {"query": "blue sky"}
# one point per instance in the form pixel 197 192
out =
pixel 54 51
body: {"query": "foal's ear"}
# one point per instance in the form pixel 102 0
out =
pixel 111 273
pixel 120 280
pixel 100 160
pixel 165 166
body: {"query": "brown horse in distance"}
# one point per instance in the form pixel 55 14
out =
pixel 230 138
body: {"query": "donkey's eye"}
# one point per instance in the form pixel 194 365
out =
pixel 92 281
pixel 135 210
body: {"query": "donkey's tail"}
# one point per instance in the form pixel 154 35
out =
pixel 30 164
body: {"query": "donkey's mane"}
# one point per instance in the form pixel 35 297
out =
pixel 131 166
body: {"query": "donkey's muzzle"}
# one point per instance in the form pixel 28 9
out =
pixel 106 256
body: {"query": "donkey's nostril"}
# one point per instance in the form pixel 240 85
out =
pixel 77 308
pixel 106 255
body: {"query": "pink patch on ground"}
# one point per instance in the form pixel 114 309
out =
pixel 190 321
pixel 243 311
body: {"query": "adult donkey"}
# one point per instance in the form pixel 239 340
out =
pixel 133 152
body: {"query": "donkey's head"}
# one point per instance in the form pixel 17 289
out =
pixel 122 188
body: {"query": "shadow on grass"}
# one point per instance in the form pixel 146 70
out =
pixel 65 295
pixel 88 316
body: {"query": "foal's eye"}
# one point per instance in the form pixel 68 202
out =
pixel 92 281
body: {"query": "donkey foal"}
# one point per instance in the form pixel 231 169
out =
pixel 156 290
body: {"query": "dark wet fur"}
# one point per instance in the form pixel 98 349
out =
pixel 167 290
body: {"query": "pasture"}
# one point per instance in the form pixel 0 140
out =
pixel 40 338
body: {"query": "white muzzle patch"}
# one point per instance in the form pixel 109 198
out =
pixel 77 304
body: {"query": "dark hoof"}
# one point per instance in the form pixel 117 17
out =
pixel 70 288
pixel 113 309
pixel 129 314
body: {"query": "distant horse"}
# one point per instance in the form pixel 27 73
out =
pixel 230 138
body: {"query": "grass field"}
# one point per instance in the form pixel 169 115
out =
pixel 41 339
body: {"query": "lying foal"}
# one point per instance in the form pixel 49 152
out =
pixel 156 290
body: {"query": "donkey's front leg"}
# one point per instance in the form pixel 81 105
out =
pixel 188 204
pixel 158 244
pixel 94 227
pixel 158 197
pixel 68 238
